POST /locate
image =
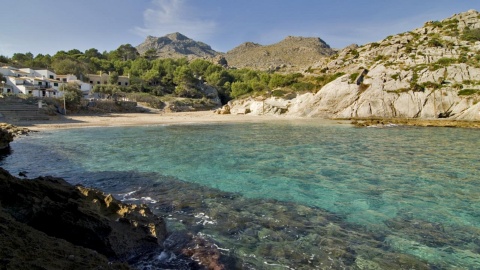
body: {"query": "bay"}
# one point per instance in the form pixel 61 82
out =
pixel 287 194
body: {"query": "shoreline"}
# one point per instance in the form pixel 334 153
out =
pixel 147 119
pixel 209 117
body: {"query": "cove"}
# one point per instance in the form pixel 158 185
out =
pixel 296 194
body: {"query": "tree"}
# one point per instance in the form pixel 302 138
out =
pixel 124 52
pixel 150 54
pixel 183 75
pixel 219 78
pixel 139 66
pixel 152 76
pixel 72 94
pixel 42 61
pixel 25 59
pixel 75 53
pixel 113 78
pixel 93 53
pixel 199 67
pixel 240 88
pixel 69 66
pixel 4 59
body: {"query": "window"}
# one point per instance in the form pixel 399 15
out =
pixel 98 82
pixel 91 82
pixel 55 84
pixel 119 83
pixel 126 83
pixel 51 77
pixel 39 83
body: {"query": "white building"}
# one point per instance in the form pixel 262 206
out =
pixel 38 83
pixel 84 87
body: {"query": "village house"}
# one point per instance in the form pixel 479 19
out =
pixel 103 78
pixel 45 83
pixel 86 88
pixel 38 83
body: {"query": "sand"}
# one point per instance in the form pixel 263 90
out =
pixel 145 119
pixel 206 117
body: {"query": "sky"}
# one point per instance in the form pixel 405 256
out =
pixel 49 26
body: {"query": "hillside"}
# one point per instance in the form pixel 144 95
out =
pixel 291 53
pixel 430 72
pixel 176 45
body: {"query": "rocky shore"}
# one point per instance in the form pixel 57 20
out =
pixel 380 122
pixel 47 223
pixel 8 132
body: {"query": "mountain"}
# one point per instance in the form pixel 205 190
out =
pixel 429 72
pixel 176 45
pixel 292 52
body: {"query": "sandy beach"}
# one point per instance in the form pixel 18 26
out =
pixel 145 119
pixel 205 117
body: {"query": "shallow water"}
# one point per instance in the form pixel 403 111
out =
pixel 288 194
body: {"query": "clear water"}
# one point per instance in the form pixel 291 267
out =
pixel 288 194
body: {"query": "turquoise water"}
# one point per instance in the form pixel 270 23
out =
pixel 288 194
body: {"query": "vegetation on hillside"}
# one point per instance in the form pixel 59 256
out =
pixel 166 77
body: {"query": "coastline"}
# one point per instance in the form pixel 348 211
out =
pixel 209 117
pixel 145 119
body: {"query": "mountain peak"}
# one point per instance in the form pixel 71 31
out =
pixel 176 45
pixel 176 36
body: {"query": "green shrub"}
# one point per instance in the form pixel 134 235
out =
pixel 303 86
pixel 431 85
pixel 434 24
pixel 468 92
pixel 240 88
pixel 380 58
pixel 434 42
pixel 278 93
pixel 353 77
pixel 471 34
pixel 445 61
pixel 415 87
pixel 354 53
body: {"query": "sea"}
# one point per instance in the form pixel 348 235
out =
pixel 286 194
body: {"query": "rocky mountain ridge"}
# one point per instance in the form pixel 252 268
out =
pixel 176 45
pixel 292 53
pixel 430 72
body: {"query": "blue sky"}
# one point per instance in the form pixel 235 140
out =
pixel 47 26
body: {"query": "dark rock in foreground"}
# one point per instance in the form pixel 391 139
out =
pixel 46 223
pixel 49 223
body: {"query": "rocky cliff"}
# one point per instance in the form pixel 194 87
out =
pixel 430 72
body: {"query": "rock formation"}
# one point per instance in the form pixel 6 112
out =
pixel 81 216
pixel 49 224
pixel 176 45
pixel 8 132
pixel 430 72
